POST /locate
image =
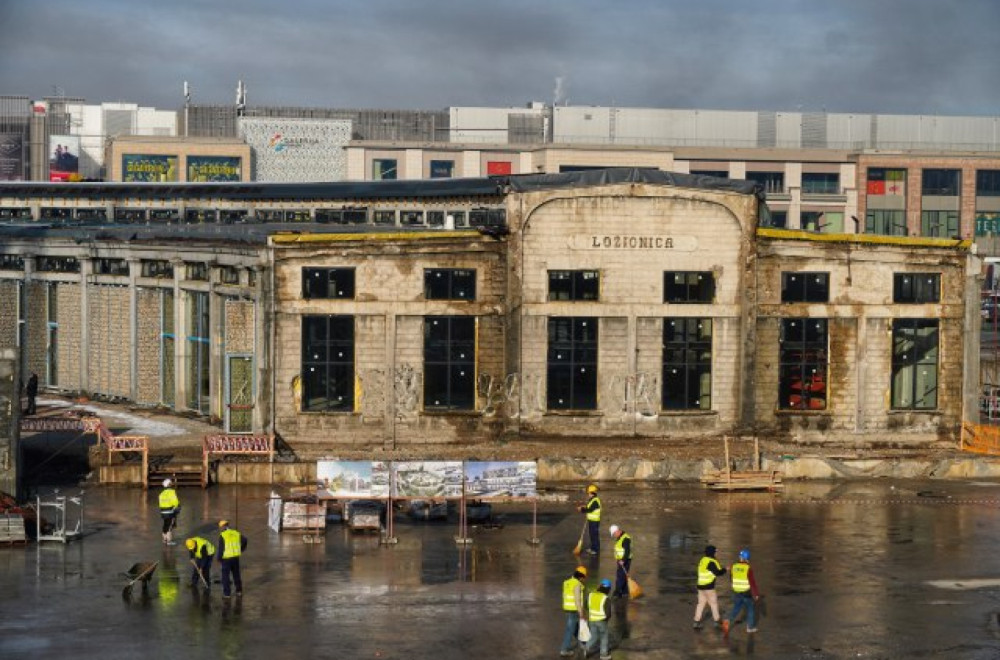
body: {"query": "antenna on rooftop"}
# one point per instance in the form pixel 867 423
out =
pixel 241 98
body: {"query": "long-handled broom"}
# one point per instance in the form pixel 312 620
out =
pixel 579 544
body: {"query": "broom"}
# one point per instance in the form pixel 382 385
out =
pixel 579 544
pixel 634 590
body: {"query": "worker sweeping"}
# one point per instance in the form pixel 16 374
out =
pixel 202 552
pixel 623 555
pixel 745 593
pixel 170 507
pixel 573 605
pixel 709 569
pixel 231 545
pixel 593 511
pixel 598 613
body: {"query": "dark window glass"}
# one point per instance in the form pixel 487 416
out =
pixel 885 223
pixel 687 364
pixel 319 283
pixel 776 219
pixel 157 268
pixel 355 216
pixel 411 218
pixel 571 376
pixel 164 215
pixel 328 363
pixel 11 262
pixel 802 368
pixel 988 183
pixel 574 285
pixel 58 265
pixel 916 288
pixel 231 216
pixel 229 275
pixel 130 215
pixel 688 287
pixel 435 218
pixel 449 362
pixel 442 169
pixel 384 217
pixel 721 174
pixel 772 182
pixel 330 216
pixel 92 215
pixel 200 216
pixel 8 213
pixel 820 183
pixel 914 364
pixel 941 182
pixel 940 224
pixel 110 267
pixel 197 270
pixel 450 284
pixel 384 169
pixel 805 287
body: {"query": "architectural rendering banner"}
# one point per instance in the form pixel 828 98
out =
pixel 149 168
pixel 501 479
pixel 427 478
pixel 11 157
pixel 345 478
pixel 214 168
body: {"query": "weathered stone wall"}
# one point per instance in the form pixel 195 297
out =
pixel 148 344
pixel 68 307
pixel 110 342
pixel 36 314
pixel 9 291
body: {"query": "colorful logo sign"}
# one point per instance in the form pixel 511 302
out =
pixel 276 143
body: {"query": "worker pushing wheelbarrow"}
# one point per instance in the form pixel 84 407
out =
pixel 140 572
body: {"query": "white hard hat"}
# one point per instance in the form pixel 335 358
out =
pixel 613 529
pixel 166 483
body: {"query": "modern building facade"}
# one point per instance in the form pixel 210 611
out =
pixel 619 304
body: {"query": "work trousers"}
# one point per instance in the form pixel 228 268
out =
pixel 598 635
pixel 741 600
pixel 594 530
pixel 710 598
pixel 572 630
pixel 231 566
pixel 621 578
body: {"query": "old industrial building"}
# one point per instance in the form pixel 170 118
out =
pixel 615 303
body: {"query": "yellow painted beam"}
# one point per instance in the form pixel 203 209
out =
pixel 866 239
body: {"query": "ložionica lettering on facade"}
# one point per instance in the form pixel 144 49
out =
pixel 633 242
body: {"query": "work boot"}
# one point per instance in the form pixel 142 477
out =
pixel 697 625
pixel 751 630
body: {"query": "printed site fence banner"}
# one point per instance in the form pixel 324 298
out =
pixel 427 479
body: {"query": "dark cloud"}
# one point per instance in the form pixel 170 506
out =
pixel 897 56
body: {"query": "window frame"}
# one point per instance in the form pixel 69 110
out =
pixel 903 330
pixel 453 283
pixel 688 351
pixel 569 354
pixel 803 359
pixel 578 288
pixel 338 332
pixel 907 288
pixel 316 281
pixel 697 288
pixel 450 360
pixel 819 293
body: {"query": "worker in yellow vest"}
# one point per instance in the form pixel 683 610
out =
pixel 202 552
pixel 709 569
pixel 231 545
pixel 623 555
pixel 170 507
pixel 573 604
pixel 745 593
pixel 593 511
pixel 598 613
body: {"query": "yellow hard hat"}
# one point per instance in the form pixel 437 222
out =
pixel 190 544
pixel 582 570
pixel 591 489
pixel 223 523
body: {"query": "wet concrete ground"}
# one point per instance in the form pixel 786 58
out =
pixel 859 570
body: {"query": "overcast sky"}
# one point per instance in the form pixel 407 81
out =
pixel 890 56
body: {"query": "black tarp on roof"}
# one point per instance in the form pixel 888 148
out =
pixel 589 178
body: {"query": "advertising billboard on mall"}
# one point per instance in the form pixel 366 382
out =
pixel 296 150
pixel 149 168
pixel 214 168
pixel 64 157
pixel 11 157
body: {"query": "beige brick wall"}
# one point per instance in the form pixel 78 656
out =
pixel 239 324
pixel 9 290
pixel 148 344
pixel 68 309
pixel 37 331
pixel 110 342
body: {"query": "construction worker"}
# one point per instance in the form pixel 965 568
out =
pixel 170 506
pixel 623 555
pixel 231 546
pixel 573 604
pixel 709 569
pixel 598 613
pixel 593 511
pixel 202 552
pixel 745 593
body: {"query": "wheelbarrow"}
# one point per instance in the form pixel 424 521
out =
pixel 140 572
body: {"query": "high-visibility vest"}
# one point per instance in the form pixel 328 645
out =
pixel 595 514
pixel 569 594
pixel 595 603
pixel 620 546
pixel 230 544
pixel 741 577
pixel 200 543
pixel 706 576
pixel 168 500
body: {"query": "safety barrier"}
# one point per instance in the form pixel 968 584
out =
pixel 980 438
pixel 234 445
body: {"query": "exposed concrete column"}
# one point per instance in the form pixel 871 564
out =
pixel 180 337
pixel 470 164
pixel 632 368
pixel 861 374
pixel 86 270
pixel 413 164
pixel 134 268
pixel 216 347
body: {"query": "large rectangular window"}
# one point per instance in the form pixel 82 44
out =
pixel 198 351
pixel 579 285
pixel 449 362
pixel 946 183
pixel 988 183
pixel 442 169
pixel 805 287
pixel 687 364
pixel 916 288
pixel 688 287
pixel 771 182
pixel 325 283
pixel 450 284
pixel 820 183
pixel 914 364
pixel 802 382
pixel 885 222
pixel 328 363
pixel 886 181
pixel 571 376
pixel 942 224
pixel 384 169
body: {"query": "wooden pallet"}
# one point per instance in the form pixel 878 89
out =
pixel 729 479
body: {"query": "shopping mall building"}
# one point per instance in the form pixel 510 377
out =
pixel 628 303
